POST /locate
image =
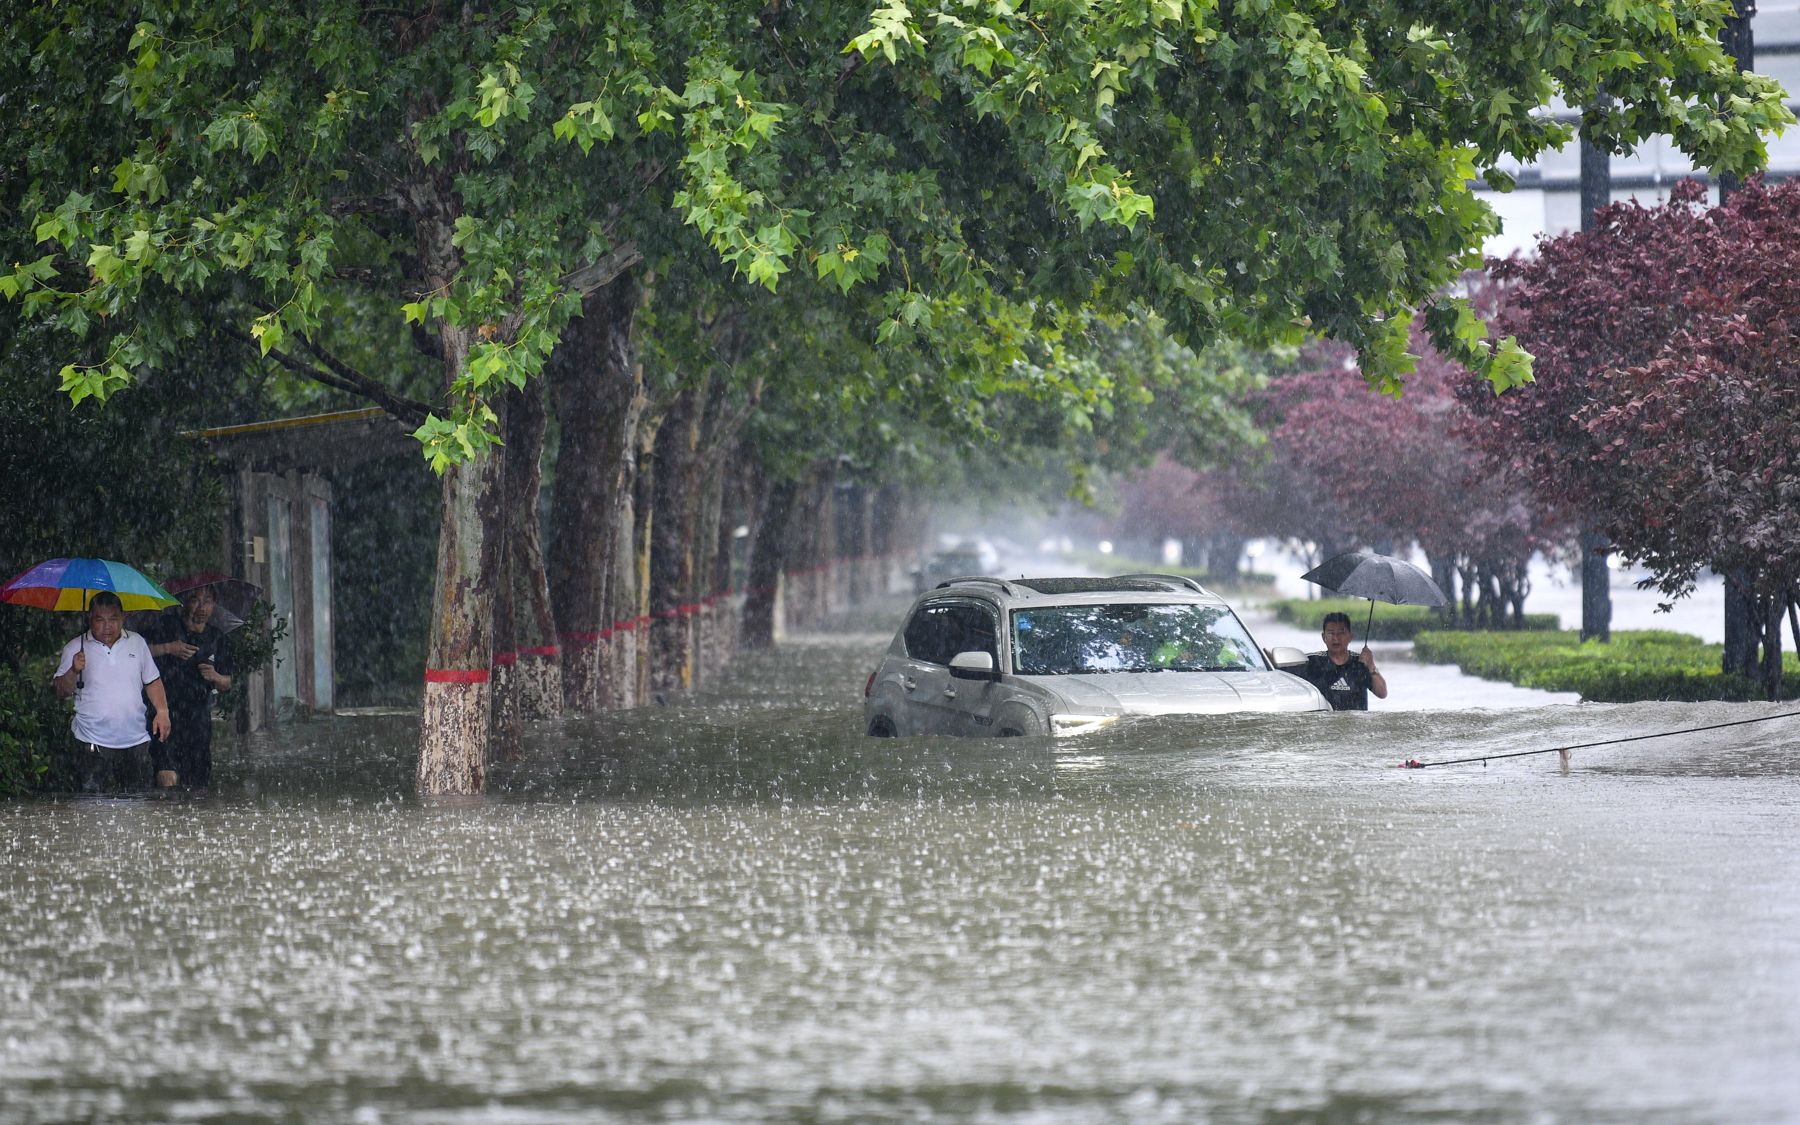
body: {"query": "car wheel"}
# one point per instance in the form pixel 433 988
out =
pixel 1009 732
pixel 881 728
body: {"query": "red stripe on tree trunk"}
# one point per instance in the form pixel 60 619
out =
pixel 456 675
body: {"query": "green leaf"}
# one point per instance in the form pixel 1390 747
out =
pixel 268 332
pixel 106 263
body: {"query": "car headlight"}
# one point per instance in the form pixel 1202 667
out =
pixel 1078 724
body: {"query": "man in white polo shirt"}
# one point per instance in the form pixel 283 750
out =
pixel 109 671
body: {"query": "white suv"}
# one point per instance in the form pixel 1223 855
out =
pixel 1024 656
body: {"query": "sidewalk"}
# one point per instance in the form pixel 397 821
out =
pixel 1557 590
pixel 1426 687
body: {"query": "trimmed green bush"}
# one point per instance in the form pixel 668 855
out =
pixel 1392 622
pixel 1649 664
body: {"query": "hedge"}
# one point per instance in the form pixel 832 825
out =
pixel 1649 664
pixel 1392 622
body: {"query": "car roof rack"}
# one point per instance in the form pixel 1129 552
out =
pixel 1174 581
pixel 1097 584
pixel 1011 590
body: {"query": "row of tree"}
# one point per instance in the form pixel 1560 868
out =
pixel 1664 415
pixel 721 246
pixel 1339 468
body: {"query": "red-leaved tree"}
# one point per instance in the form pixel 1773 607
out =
pixel 1667 400
pixel 1348 468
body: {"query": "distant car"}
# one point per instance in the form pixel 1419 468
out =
pixel 1035 656
pixel 957 562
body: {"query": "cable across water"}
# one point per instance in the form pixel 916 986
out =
pixel 1415 764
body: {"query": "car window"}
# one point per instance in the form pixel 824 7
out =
pixel 1081 639
pixel 940 630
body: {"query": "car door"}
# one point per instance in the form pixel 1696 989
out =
pixel 924 672
pixel 974 626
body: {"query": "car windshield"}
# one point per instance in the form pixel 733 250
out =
pixel 1069 640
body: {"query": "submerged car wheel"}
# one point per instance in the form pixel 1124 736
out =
pixel 881 728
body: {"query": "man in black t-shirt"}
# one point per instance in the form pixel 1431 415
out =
pixel 1345 681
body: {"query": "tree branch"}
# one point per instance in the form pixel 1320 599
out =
pixel 340 376
pixel 364 205
pixel 585 279
pixel 601 271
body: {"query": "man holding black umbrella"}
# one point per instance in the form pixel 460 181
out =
pixel 1345 681
pixel 109 671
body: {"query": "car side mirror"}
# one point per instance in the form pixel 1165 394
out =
pixel 974 666
pixel 1286 658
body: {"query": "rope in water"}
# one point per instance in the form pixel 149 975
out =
pixel 1415 764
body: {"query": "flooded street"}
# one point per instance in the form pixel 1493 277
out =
pixel 740 909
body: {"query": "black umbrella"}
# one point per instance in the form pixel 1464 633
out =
pixel 1365 574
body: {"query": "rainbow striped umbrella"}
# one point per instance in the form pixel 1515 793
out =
pixel 68 585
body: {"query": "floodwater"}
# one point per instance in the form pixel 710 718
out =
pixel 741 910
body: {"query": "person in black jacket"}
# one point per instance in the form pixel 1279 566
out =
pixel 194 660
pixel 1345 681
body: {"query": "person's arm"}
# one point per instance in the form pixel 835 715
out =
pixel 1377 681
pixel 65 680
pixel 177 648
pixel 159 699
pixel 219 680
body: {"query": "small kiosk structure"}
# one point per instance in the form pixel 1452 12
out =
pixel 277 534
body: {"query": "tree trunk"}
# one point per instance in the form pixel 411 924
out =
pixel 1739 656
pixel 535 683
pixel 849 543
pixel 599 401
pixel 455 717
pixel 673 599
pixel 1466 571
pixel 1773 609
pixel 454 723
pixel 635 621
pixel 1596 588
pixel 768 556
pixel 506 732
pixel 810 596
pixel 887 515
pixel 723 515
pixel 1443 572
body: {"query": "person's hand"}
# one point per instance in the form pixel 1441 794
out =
pixel 79 664
pixel 161 725
pixel 180 650
pixel 211 675
pixel 1368 659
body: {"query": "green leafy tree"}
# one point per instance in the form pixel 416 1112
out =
pixel 1270 168
pixel 1259 169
